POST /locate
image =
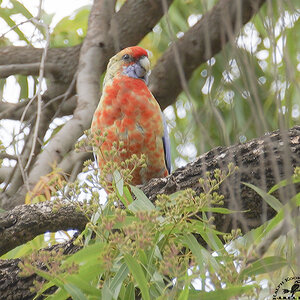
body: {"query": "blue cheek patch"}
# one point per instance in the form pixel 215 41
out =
pixel 136 71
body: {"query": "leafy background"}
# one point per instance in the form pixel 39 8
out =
pixel 249 88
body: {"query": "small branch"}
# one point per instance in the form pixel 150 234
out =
pixel 8 156
pixel 61 63
pixel 14 111
pixel 39 95
pixel 27 69
pixel 25 222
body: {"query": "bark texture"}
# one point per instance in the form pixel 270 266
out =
pixel 25 222
pixel 262 162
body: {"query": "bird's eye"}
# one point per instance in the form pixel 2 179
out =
pixel 126 57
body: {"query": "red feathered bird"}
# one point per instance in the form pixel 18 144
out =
pixel 128 112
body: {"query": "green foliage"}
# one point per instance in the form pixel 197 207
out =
pixel 7 13
pixel 71 30
pixel 132 247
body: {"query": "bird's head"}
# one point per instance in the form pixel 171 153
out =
pixel 132 62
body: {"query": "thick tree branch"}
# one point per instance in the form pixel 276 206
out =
pixel 133 21
pixel 262 162
pixel 14 111
pixel 62 61
pixel 26 221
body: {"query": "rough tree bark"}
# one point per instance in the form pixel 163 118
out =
pixel 103 40
pixel 272 152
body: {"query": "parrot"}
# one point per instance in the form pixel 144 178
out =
pixel 128 112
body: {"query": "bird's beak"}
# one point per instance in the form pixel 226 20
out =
pixel 145 64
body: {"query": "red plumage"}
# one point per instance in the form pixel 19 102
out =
pixel 128 112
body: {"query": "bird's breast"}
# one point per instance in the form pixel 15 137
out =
pixel 129 113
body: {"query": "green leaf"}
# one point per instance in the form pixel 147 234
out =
pixel 74 292
pixel 89 268
pixel 264 265
pixel 184 294
pixel 54 132
pixel 127 194
pixel 256 235
pixel 219 210
pixel 283 183
pixel 71 31
pixel 21 9
pixel 201 254
pixel 5 15
pixel 212 239
pixel 138 274
pixel 107 294
pixel 37 243
pixel 119 182
pixel 141 203
pixel 271 200
pixel 23 82
pixel 82 280
pixel 86 256
pixel 117 281
pixel 130 292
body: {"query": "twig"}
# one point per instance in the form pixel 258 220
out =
pixel 39 89
pixel 25 69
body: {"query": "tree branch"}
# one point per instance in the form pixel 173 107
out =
pixel 27 69
pixel 14 111
pixel 255 160
pixel 62 61
pixel 24 222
